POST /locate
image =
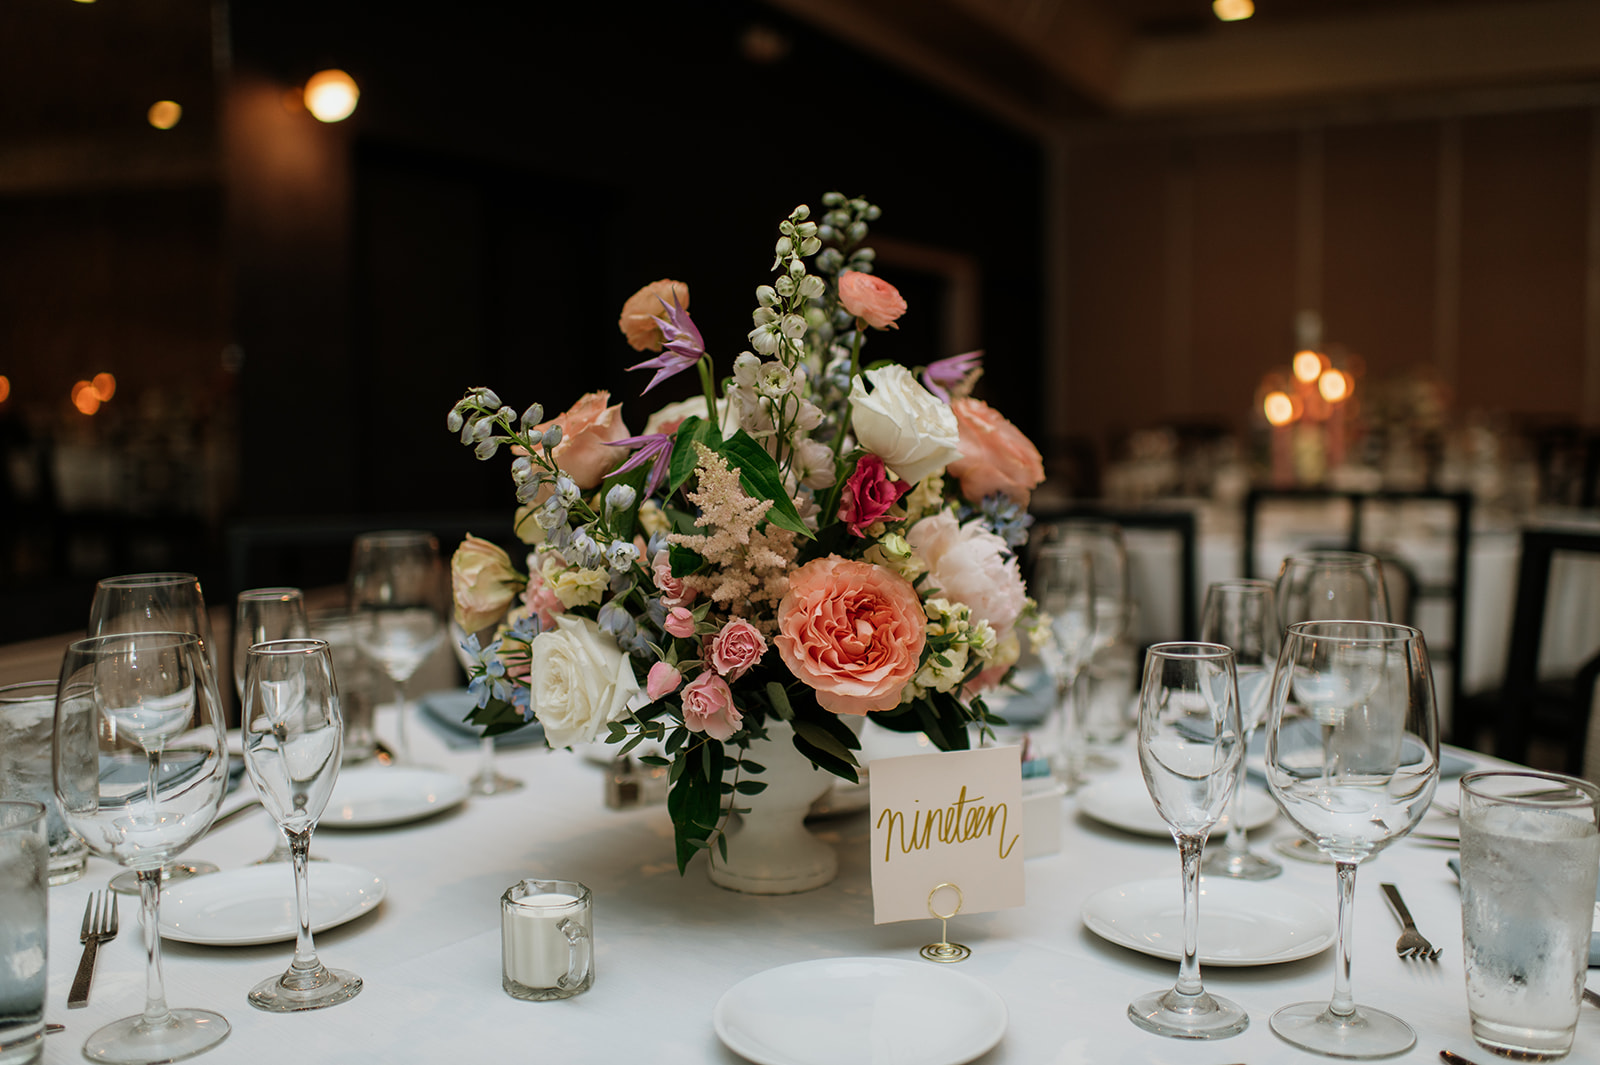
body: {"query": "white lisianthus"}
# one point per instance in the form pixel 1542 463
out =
pixel 579 680
pixel 813 463
pixel 903 423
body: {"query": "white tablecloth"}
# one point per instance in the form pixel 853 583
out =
pixel 667 946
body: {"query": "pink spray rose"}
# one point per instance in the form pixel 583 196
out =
pixel 587 429
pixel 540 600
pixel 852 631
pixel 679 623
pixel 638 322
pixel 995 456
pixel 971 565
pixel 482 583
pixel 708 707
pixel 868 494
pixel 673 591
pixel 663 680
pixel 736 648
pixel 871 299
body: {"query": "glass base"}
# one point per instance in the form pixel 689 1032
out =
pixel 1202 1016
pixel 492 783
pixel 1245 866
pixel 1302 849
pixel 128 883
pixel 132 1041
pixel 331 987
pixel 1366 1033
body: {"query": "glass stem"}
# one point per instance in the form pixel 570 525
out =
pixel 1344 1003
pixel 402 742
pixel 1236 844
pixel 1189 848
pixel 156 1013
pixel 486 763
pixel 305 970
pixel 1071 732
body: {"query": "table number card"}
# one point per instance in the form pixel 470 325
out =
pixel 954 817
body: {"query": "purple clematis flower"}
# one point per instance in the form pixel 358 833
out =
pixel 957 373
pixel 683 346
pixel 655 448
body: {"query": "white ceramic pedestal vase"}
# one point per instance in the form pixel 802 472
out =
pixel 770 852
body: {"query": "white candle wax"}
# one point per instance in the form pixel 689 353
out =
pixel 536 949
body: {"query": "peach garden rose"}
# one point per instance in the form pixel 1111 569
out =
pixel 585 453
pixel 853 632
pixel 995 457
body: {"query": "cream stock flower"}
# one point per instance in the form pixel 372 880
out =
pixel 573 585
pixel 903 423
pixel 579 680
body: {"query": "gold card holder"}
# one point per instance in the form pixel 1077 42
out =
pixel 944 950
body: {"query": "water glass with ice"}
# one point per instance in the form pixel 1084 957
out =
pixel 1530 853
pixel 24 932
pixel 27 716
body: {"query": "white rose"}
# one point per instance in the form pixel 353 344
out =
pixel 668 418
pixel 579 679
pixel 903 423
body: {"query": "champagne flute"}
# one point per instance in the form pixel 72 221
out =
pixel 397 596
pixel 154 602
pixel 293 736
pixel 1328 586
pixel 1063 587
pixel 1190 746
pixel 1243 615
pixel 1356 776
pixel 141 765
pixel 262 614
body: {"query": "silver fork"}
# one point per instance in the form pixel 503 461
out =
pixel 1411 943
pixel 99 926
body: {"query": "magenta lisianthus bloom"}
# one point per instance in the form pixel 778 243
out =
pixel 868 494
pixel 656 449
pixel 953 377
pixel 708 707
pixel 682 344
pixel 663 680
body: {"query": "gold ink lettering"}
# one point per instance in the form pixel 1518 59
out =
pixel 965 819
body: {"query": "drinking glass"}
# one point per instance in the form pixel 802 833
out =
pixel 262 614
pixel 1243 615
pixel 27 721
pixel 154 602
pixel 1190 746
pixel 1063 587
pixel 398 597
pixel 1328 586
pixel 487 780
pixel 141 765
pixel 1356 775
pixel 292 745
pixel 1103 542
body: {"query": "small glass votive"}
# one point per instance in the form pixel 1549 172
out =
pixel 546 940
pixel 27 745
pixel 24 931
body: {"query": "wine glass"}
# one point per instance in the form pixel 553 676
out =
pixel 1190 746
pixel 1063 588
pixel 1356 775
pixel 141 765
pixel 487 780
pixel 293 736
pixel 154 602
pixel 1112 613
pixel 397 597
pixel 262 614
pixel 1328 586
pixel 1243 615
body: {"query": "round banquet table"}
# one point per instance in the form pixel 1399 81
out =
pixel 668 946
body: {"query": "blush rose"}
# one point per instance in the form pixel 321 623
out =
pixel 853 632
pixel 736 648
pixel 585 453
pixel 871 299
pixel 708 707
pixel 995 457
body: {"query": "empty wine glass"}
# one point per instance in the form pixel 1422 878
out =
pixel 398 597
pixel 141 765
pixel 1112 613
pixel 1356 775
pixel 262 614
pixel 1328 586
pixel 1243 615
pixel 292 745
pixel 487 780
pixel 154 602
pixel 1190 746
pixel 1063 587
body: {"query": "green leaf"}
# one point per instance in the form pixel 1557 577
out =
pixel 683 560
pixel 747 766
pixel 631 744
pixel 780 701
pixel 821 739
pixel 838 767
pixel 694 430
pixel 761 479
pixel 751 787
pixel 654 759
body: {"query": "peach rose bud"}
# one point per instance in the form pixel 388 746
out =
pixel 870 299
pixel 638 322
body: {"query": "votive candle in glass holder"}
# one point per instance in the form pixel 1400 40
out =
pixel 546 940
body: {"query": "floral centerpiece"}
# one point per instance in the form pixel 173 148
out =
pixel 807 541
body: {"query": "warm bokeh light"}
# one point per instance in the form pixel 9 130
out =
pixel 1333 385
pixel 1233 10
pixel 5 388
pixel 105 386
pixel 85 398
pixel 331 95
pixel 164 114
pixel 1307 366
pixel 1278 408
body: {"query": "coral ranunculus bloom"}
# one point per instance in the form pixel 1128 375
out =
pixel 586 431
pixel 871 299
pixel 995 456
pixel 638 322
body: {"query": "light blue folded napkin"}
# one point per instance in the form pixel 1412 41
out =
pixel 1594 937
pixel 445 713
pixel 1451 765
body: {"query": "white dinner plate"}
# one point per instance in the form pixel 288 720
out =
pixel 1123 801
pixel 1241 922
pixel 860 1011
pixel 378 796
pixel 244 907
